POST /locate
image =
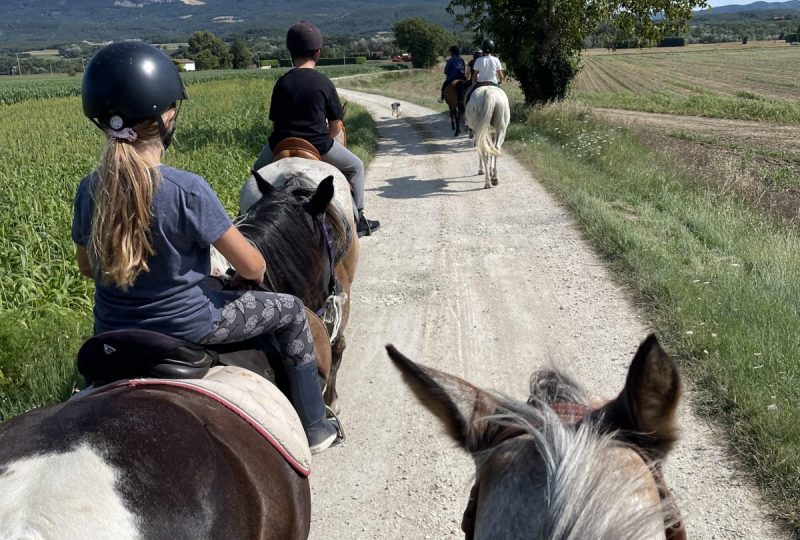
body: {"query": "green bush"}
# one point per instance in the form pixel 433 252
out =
pixel 792 38
pixel 672 42
pixel 270 63
pixel 342 61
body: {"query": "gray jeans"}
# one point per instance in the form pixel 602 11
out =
pixel 340 157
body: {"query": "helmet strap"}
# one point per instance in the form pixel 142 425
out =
pixel 168 133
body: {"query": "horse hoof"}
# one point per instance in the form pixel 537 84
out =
pixel 494 181
pixel 480 172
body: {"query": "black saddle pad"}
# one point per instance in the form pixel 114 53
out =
pixel 127 354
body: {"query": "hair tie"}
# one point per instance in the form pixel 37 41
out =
pixel 124 134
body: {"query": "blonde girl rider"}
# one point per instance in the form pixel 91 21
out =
pixel 143 231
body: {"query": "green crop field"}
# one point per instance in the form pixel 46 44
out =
pixel 48 146
pixel 754 83
pixel 17 89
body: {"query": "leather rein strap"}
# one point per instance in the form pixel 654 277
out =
pixel 573 414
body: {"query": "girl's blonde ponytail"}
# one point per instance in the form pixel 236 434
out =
pixel 120 240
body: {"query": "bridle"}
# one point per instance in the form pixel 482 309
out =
pixel 573 414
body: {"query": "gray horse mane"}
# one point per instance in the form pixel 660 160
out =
pixel 582 491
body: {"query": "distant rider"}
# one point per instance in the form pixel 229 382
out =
pixel 487 69
pixel 305 104
pixel 453 70
pixel 143 233
pixel 471 76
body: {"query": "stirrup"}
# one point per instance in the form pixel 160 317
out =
pixel 335 439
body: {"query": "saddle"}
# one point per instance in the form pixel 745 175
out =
pixel 295 147
pixel 134 353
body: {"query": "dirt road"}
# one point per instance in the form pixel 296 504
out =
pixel 489 285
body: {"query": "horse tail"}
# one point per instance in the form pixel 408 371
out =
pixel 484 112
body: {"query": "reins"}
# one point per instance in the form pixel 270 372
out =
pixel 572 414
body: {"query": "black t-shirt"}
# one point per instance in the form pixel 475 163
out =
pixel 303 101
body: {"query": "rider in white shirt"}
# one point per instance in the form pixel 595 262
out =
pixel 487 69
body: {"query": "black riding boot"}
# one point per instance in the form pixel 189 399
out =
pixel 305 394
pixel 365 227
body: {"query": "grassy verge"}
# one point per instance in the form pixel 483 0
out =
pixel 45 305
pixel 718 279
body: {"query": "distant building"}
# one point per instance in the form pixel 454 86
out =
pixel 187 65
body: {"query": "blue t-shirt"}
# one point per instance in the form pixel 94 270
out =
pixel 454 68
pixel 187 218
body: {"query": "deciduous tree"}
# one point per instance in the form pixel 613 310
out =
pixel 208 45
pixel 540 40
pixel 423 40
pixel 241 57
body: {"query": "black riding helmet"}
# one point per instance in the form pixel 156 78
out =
pixel 303 37
pixel 487 46
pixel 477 53
pixel 454 49
pixel 129 82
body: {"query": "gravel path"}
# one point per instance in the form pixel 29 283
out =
pixel 489 285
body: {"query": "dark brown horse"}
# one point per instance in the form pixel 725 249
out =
pixel 453 96
pixel 301 260
pixel 559 466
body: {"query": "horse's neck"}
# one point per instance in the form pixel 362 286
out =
pixel 577 486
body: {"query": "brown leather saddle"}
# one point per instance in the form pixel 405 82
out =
pixel 295 147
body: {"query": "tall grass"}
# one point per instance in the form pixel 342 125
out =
pixel 45 305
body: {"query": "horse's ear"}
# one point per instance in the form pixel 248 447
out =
pixel 460 406
pixel 263 186
pixel 322 197
pixel 646 409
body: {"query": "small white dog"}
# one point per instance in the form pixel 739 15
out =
pixel 396 109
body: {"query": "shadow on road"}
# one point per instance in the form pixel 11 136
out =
pixel 431 129
pixel 410 187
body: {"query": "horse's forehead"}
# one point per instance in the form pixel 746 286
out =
pixel 64 495
pixel 276 174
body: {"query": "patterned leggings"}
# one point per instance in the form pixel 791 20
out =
pixel 247 314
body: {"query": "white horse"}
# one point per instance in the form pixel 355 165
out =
pixel 488 114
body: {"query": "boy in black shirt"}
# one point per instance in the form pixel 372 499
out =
pixel 305 104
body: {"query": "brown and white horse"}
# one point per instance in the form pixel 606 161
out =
pixel 145 462
pixel 557 467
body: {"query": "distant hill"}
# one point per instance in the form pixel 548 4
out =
pixel 44 23
pixel 791 5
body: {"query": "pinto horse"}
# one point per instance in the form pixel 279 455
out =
pixel 559 466
pixel 488 114
pixel 453 95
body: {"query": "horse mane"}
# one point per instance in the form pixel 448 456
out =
pixel 581 487
pixel 291 242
